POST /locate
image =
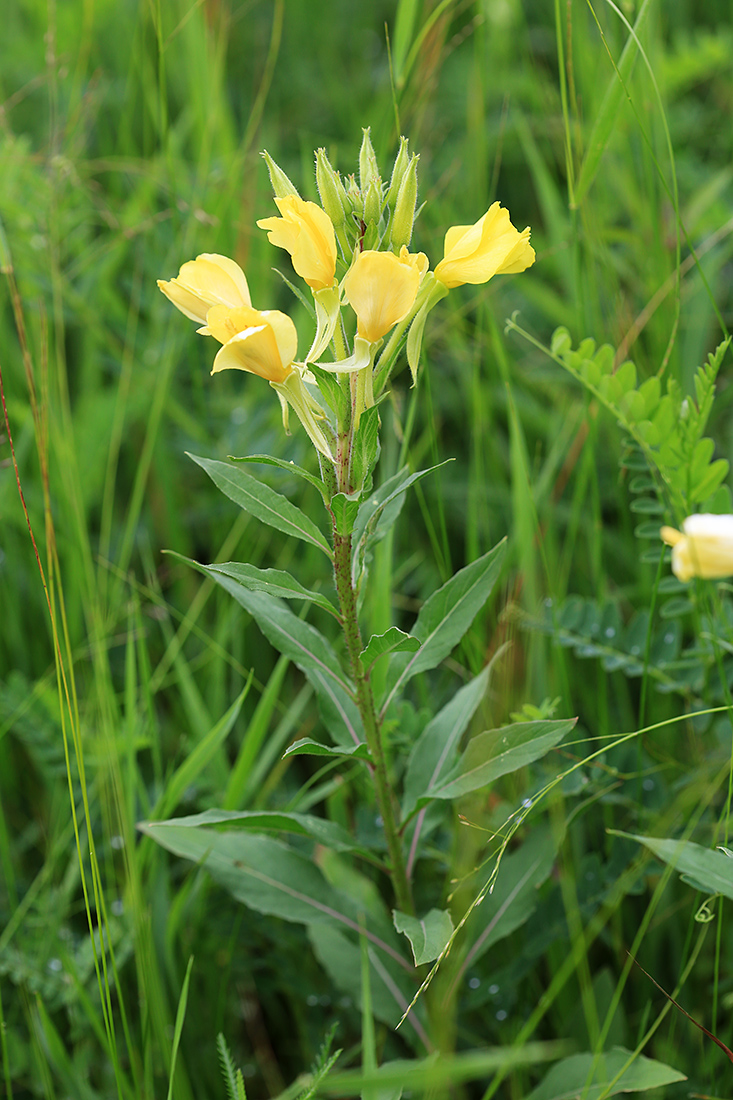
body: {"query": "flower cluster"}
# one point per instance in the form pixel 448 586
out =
pixel 352 251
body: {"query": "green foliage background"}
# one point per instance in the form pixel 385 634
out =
pixel 129 135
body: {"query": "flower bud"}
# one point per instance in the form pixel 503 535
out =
pixel 400 167
pixel 333 196
pixel 373 202
pixel 281 185
pixel 368 167
pixel 355 199
pixel 404 210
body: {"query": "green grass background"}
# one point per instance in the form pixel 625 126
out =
pixel 129 139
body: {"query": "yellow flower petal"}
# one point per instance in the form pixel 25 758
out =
pixel 381 288
pixel 263 342
pixel 208 280
pixel 704 547
pixel 492 246
pixel 306 232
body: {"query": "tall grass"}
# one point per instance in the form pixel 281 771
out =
pixel 129 141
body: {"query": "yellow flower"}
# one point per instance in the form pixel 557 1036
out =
pixel 207 281
pixel 263 342
pixel 381 288
pixel 306 232
pixel 704 547
pixel 475 253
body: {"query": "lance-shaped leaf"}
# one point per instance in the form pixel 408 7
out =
pixel 263 502
pixel 276 582
pixel 434 752
pixel 590 1076
pixel 497 752
pixel 428 935
pixel 345 508
pixel 307 747
pixel 445 617
pixel 291 467
pixel 309 650
pixel 325 832
pixel 393 640
pixel 702 868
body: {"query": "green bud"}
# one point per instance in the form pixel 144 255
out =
pixel 402 160
pixel 403 218
pixel 373 202
pixel 368 167
pixel 281 185
pixel 334 199
pixel 356 202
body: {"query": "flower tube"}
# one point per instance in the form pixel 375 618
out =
pixel 209 280
pixel 703 548
pixel 475 253
pixel 306 232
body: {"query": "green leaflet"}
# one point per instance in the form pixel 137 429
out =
pixel 628 1073
pixel 428 935
pixel 497 752
pixel 445 617
pixel 263 502
pixel 702 868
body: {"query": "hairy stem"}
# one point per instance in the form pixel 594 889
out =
pixel 372 730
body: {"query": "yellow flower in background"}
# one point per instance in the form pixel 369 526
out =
pixel 704 547
pixel 381 289
pixel 475 253
pixel 306 232
pixel 263 342
pixel 207 281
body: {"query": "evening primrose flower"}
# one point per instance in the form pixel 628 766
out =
pixel 263 342
pixel 209 280
pixel 704 547
pixel 382 288
pixel 475 253
pixel 306 232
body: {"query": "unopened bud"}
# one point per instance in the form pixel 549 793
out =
pixel 402 160
pixel 368 167
pixel 334 199
pixel 403 218
pixel 281 185
pixel 354 196
pixel 373 202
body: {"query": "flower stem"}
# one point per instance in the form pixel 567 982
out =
pixel 372 730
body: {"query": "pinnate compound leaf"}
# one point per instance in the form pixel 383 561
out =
pixel 446 616
pixel 703 868
pixel 276 582
pixel 628 1073
pixel 497 752
pixel 306 747
pixel 434 752
pixel 263 502
pixel 393 640
pixel 428 935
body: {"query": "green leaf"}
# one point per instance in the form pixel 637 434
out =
pixel 345 508
pixel 336 395
pixel 570 1077
pixel 291 467
pixel 263 502
pixel 705 869
pixel 309 650
pixel 276 582
pixel 365 447
pixel 428 935
pixel 393 640
pixel 196 761
pixel 446 616
pixel 497 752
pixel 607 117
pixel 320 829
pixel 433 754
pixel 306 747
